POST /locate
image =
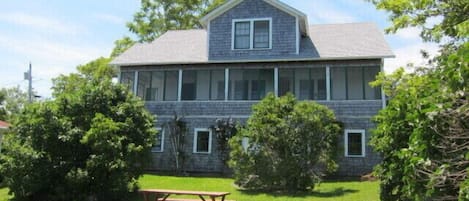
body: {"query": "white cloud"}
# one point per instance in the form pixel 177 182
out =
pixel 411 33
pixel 410 54
pixel 42 23
pixel 323 11
pixel 111 18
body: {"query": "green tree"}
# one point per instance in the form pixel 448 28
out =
pixel 14 100
pixel 158 16
pixel 3 113
pixel 91 142
pixel 423 131
pixel 451 16
pixel 287 140
pixel 121 45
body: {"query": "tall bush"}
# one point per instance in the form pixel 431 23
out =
pixel 288 141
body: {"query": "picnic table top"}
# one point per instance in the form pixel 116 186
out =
pixel 184 192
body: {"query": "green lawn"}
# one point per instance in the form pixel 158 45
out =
pixel 337 190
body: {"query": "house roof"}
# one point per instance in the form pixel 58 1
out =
pixel 326 42
pixel 303 19
pixel 4 125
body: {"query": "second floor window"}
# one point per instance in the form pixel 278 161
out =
pixel 252 34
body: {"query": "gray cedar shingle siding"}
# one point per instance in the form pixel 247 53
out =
pixel 283 32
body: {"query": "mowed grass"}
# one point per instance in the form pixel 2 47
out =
pixel 326 191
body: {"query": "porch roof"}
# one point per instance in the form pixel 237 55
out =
pixel 326 42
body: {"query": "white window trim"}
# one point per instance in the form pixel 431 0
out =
pixel 346 132
pixel 251 34
pixel 161 134
pixel 196 130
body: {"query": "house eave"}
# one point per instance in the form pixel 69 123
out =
pixel 253 61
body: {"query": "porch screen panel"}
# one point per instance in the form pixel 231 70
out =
pixel 144 83
pixel 318 76
pixel 189 80
pixel 303 84
pixel 370 73
pixel 217 85
pixel 355 83
pixel 127 78
pixel 338 83
pixel 286 79
pixel 171 85
pixel 203 85
pixel 250 84
pixel 155 92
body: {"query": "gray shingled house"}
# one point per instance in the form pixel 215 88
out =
pixel 247 49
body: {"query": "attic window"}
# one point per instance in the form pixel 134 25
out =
pixel 252 34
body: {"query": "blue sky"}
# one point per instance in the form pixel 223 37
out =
pixel 57 35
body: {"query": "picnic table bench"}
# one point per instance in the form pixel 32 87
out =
pixel 163 195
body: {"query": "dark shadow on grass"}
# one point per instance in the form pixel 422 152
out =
pixel 337 192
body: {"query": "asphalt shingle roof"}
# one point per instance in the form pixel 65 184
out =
pixel 326 42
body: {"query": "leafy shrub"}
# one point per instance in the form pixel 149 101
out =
pixel 90 143
pixel 287 141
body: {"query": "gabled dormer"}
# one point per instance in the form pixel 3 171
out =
pixel 246 30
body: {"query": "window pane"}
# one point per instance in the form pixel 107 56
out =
pixel 171 85
pixel 370 74
pixel 261 34
pixel 338 82
pixel 303 89
pixel 203 141
pixel 127 78
pixel 355 83
pixel 354 144
pixel 218 85
pixel 242 35
pixel 158 142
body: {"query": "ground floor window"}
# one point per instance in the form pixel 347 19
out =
pixel 158 146
pixel 202 140
pixel 354 143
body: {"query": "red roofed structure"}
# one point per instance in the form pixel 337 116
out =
pixel 4 125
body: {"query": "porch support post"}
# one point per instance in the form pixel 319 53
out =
pixel 383 96
pixel 276 82
pixel 180 85
pixel 328 83
pixel 227 82
pixel 135 83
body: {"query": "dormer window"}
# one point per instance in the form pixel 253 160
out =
pixel 252 34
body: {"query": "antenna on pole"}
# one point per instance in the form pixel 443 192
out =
pixel 29 76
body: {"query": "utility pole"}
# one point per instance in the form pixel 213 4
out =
pixel 29 76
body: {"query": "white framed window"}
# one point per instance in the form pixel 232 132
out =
pixel 248 34
pixel 354 140
pixel 202 141
pixel 158 146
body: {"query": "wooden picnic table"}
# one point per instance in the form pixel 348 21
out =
pixel 164 194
